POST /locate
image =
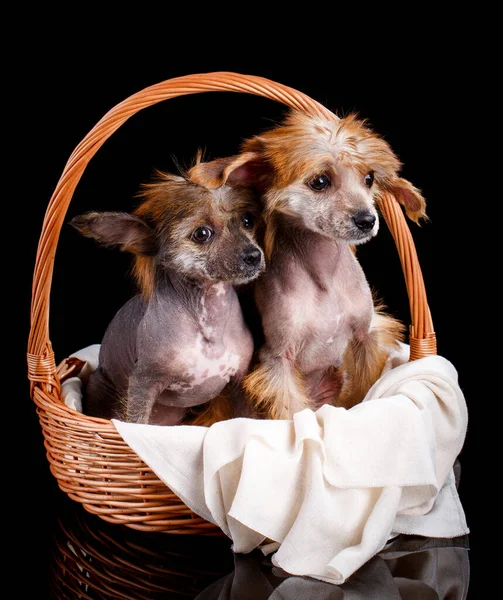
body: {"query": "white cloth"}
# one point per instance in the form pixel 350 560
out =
pixel 326 491
pixel 71 389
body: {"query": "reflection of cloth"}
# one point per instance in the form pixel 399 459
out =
pixel 325 491
pixel 412 568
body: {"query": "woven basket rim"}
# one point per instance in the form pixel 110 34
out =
pixel 73 438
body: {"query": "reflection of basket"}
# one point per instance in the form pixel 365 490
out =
pixel 93 559
pixel 88 457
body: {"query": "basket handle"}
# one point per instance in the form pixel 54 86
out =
pixel 41 363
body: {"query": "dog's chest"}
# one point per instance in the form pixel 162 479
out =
pixel 210 348
pixel 325 318
pixel 206 362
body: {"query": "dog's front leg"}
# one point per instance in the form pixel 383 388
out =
pixel 141 398
pixel 145 387
pixel 275 386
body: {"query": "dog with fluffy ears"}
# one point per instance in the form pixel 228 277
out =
pixel 326 339
pixel 173 352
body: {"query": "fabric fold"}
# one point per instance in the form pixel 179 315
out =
pixel 327 490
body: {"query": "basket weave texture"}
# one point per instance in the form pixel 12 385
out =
pixel 87 456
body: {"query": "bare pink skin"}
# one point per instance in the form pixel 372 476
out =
pixel 313 299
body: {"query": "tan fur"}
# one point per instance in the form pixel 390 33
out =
pixel 276 393
pixel 363 362
pixel 219 409
pixel 143 273
pixel 161 199
pixel 297 146
pixel 218 172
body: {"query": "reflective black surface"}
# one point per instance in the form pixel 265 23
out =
pixel 90 558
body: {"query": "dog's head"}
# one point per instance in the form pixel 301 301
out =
pixel 203 234
pixel 324 175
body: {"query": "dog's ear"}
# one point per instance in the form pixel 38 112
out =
pixel 411 199
pixel 240 169
pixel 128 232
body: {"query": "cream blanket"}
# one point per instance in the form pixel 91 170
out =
pixel 327 490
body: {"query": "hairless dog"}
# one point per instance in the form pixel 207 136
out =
pixel 182 341
pixel 326 339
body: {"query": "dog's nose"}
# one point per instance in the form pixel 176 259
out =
pixel 364 220
pixel 251 256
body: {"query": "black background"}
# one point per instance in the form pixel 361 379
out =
pixel 418 104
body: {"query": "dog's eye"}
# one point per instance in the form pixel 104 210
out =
pixel 248 221
pixel 319 183
pixel 202 235
pixel 369 179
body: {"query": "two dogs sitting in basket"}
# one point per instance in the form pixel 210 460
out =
pixel 278 221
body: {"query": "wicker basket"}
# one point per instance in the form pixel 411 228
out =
pixel 87 456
